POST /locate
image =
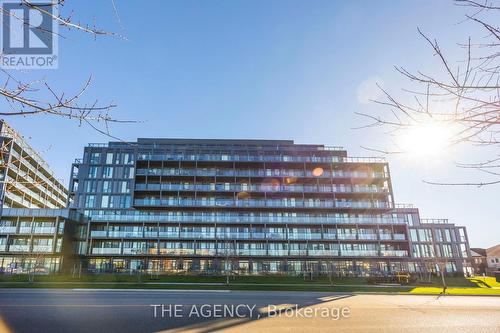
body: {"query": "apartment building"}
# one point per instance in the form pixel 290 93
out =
pixel 32 202
pixel 252 206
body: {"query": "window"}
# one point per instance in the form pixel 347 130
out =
pixel 90 201
pixel 107 186
pixel 128 158
pixel 93 172
pixel 60 228
pixel 128 172
pixel 124 187
pixel 425 235
pixel 106 202
pixel 125 201
pixel 95 158
pixel 107 172
pixel 413 235
pixel 109 158
pixel 90 186
pixel 447 252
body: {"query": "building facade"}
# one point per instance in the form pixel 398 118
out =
pixel 249 206
pixel 493 259
pixel 213 206
pixel 479 261
pixel 26 180
pixel 437 244
pixel 37 240
pixel 32 215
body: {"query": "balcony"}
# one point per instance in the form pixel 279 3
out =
pixel 135 251
pixel 298 252
pixel 347 236
pixel 304 236
pixel 19 248
pixel 258 188
pixel 8 230
pixel 367 236
pixel 44 230
pixel 42 248
pixel 359 253
pixel 394 253
pixel 260 173
pixel 275 203
pixel 125 234
pixel 197 235
pixel 25 230
pixel 98 233
pixel 246 252
pixel 399 237
pixel 278 252
pixel 3 247
pixel 111 250
pixel 168 234
pixel 329 253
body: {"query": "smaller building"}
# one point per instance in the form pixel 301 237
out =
pixel 493 259
pixel 36 239
pixel 437 244
pixel 479 261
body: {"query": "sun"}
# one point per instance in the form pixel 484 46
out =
pixel 426 139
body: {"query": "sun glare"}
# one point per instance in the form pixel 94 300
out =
pixel 426 139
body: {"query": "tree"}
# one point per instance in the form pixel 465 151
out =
pixel 470 90
pixel 37 97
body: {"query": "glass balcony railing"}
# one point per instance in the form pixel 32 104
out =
pixel 359 253
pixel 245 218
pixel 168 234
pixel 175 202
pixel 367 236
pixel 19 248
pixel 347 236
pixel 44 230
pixel 8 230
pixel 333 253
pixel 399 237
pixel 257 158
pixel 259 188
pixel 42 248
pixel 261 173
pixel 125 234
pixel 198 235
pixel 25 230
pixel 112 250
pixel 98 233
pixel 394 253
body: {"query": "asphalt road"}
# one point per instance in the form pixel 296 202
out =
pixel 55 310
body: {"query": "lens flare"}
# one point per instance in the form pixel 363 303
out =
pixel 317 172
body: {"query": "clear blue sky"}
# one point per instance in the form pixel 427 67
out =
pixel 261 69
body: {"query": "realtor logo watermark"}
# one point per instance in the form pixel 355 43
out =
pixel 29 35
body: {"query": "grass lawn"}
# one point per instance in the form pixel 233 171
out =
pixel 456 286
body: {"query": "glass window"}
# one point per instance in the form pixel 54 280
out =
pixel 425 235
pixel 107 172
pixel 107 186
pixel 105 201
pixel 95 158
pixel 124 187
pixel 90 201
pixel 128 158
pixel 413 235
pixel 93 172
pixel 129 172
pixel 109 158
